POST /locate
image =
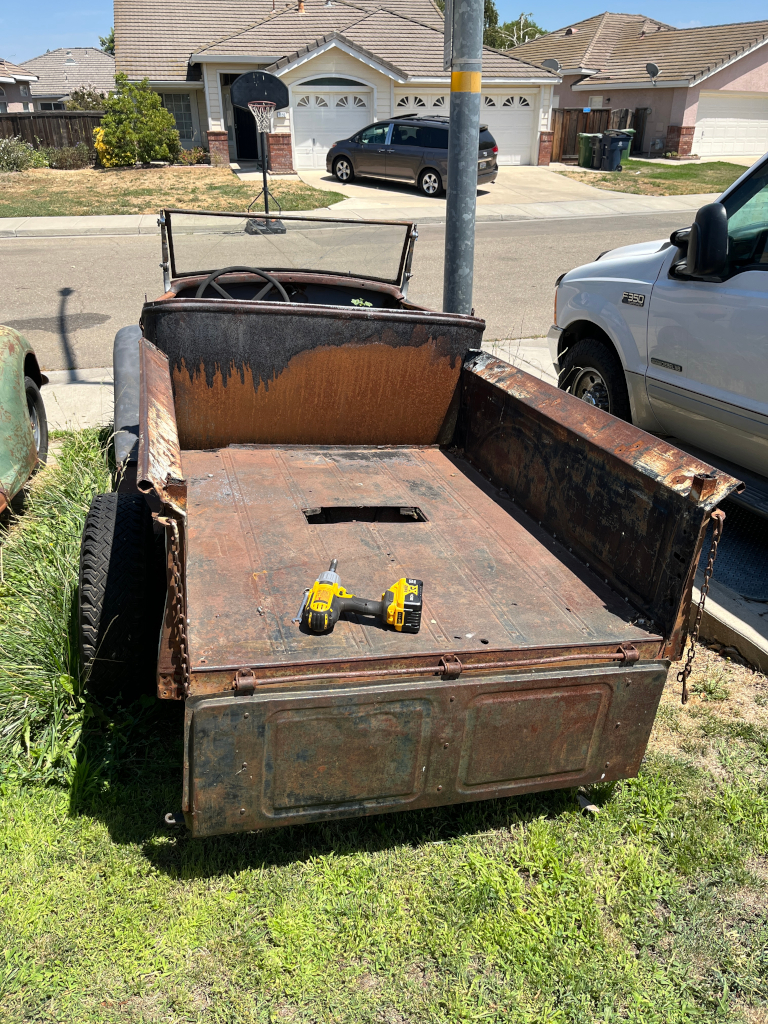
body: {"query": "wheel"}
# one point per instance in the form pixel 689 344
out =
pixel 430 183
pixel 342 169
pixel 120 598
pixel 592 372
pixel 37 417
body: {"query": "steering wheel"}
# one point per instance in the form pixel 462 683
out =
pixel 272 282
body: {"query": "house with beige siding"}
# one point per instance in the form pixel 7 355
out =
pixel 15 85
pixel 346 65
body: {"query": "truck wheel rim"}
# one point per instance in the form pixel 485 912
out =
pixel 34 419
pixel 429 183
pixel 342 170
pixel 590 387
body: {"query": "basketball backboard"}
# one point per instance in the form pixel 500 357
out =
pixel 258 85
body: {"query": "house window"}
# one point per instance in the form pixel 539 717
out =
pixel 489 101
pixel 596 102
pixel 509 102
pixel 342 101
pixel 27 107
pixel 23 90
pixel 522 101
pixel 320 102
pixel 418 102
pixel 52 106
pixel 359 101
pixel 180 106
pixel 3 107
pixel 439 101
pixel 303 102
pixel 404 101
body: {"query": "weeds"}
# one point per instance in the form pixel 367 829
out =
pixel 41 708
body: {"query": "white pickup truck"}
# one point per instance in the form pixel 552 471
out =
pixel 673 335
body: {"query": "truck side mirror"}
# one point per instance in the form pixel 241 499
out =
pixel 708 242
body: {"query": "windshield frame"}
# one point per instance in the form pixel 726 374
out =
pixel 406 255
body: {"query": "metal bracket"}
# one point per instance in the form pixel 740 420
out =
pixel 450 666
pixel 244 682
pixel 630 652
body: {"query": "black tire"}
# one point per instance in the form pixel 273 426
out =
pixel 38 418
pixel 430 183
pixel 592 371
pixel 120 598
pixel 343 170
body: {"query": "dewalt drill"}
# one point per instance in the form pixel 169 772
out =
pixel 326 599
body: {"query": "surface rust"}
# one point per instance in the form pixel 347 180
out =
pixel 289 757
pixel 18 454
pixel 159 459
pixel 494 580
pixel 630 505
pixel 274 372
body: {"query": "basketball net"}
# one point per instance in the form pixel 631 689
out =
pixel 262 112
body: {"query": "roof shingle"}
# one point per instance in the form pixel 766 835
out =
pixel 92 69
pixel 13 72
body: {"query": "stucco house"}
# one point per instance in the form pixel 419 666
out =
pixel 346 64
pixel 60 71
pixel 710 97
pixel 15 85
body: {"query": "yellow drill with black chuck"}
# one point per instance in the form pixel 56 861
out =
pixel 326 599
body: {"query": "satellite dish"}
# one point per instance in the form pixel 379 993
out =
pixel 653 70
pixel 551 64
pixel 259 85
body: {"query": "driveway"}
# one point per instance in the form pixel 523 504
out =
pixel 515 186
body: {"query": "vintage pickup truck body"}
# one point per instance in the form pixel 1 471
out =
pixel 557 546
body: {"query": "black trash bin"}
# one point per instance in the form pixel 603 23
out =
pixel 612 144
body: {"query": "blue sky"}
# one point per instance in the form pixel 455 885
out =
pixel 29 29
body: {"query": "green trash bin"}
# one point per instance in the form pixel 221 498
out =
pixel 585 148
pixel 625 152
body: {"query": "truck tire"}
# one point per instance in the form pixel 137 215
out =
pixel 37 417
pixel 592 371
pixel 120 598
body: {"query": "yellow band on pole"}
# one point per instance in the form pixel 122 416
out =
pixel 466 81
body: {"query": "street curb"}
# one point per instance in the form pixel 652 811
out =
pixel 146 223
pixel 733 622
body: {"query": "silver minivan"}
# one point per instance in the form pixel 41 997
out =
pixel 413 150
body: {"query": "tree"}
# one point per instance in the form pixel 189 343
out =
pixel 135 127
pixel 511 33
pixel 86 99
pixel 108 42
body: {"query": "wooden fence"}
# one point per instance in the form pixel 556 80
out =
pixel 57 128
pixel 568 123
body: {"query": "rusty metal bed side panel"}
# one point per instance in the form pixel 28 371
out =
pixel 270 373
pixel 632 506
pixel 159 461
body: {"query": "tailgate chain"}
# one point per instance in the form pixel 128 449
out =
pixel 718 518
pixel 178 612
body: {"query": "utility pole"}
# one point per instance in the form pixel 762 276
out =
pixel 463 55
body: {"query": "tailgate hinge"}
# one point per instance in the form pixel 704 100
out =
pixel 244 681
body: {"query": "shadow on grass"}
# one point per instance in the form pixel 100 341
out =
pixel 129 776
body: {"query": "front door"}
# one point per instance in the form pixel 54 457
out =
pixel 707 377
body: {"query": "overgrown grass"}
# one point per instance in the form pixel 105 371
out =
pixel 646 177
pixel 40 705
pixel 48 193
pixel 520 910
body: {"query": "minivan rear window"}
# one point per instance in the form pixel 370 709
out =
pixel 487 141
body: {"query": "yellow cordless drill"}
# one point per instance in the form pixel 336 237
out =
pixel 326 599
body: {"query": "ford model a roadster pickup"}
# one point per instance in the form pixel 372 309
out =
pixel 283 406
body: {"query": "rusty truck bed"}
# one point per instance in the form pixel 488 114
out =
pixel 264 520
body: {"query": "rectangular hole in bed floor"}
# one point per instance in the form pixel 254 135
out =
pixel 364 514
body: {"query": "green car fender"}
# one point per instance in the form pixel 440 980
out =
pixel 18 454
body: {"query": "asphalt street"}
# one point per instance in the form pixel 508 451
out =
pixel 70 295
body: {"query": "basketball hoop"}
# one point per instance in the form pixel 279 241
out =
pixel 262 111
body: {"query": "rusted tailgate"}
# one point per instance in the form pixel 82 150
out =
pixel 279 758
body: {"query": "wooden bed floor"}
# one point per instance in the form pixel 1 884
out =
pixel 493 580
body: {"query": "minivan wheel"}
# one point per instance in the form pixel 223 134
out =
pixel 592 372
pixel 430 183
pixel 342 169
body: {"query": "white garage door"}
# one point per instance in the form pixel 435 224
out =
pixel 322 118
pixel 510 119
pixel 728 124
pixel 510 122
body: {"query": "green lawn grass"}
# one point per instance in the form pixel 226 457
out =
pixel 519 910
pixel 647 177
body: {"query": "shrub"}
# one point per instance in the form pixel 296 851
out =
pixel 196 155
pixel 69 158
pixel 86 99
pixel 135 127
pixel 39 158
pixel 15 154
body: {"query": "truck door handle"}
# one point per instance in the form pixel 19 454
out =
pixel 382 151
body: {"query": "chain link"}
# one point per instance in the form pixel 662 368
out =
pixel 718 519
pixel 178 611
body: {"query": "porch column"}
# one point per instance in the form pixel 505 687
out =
pixel 218 147
pixel 679 139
